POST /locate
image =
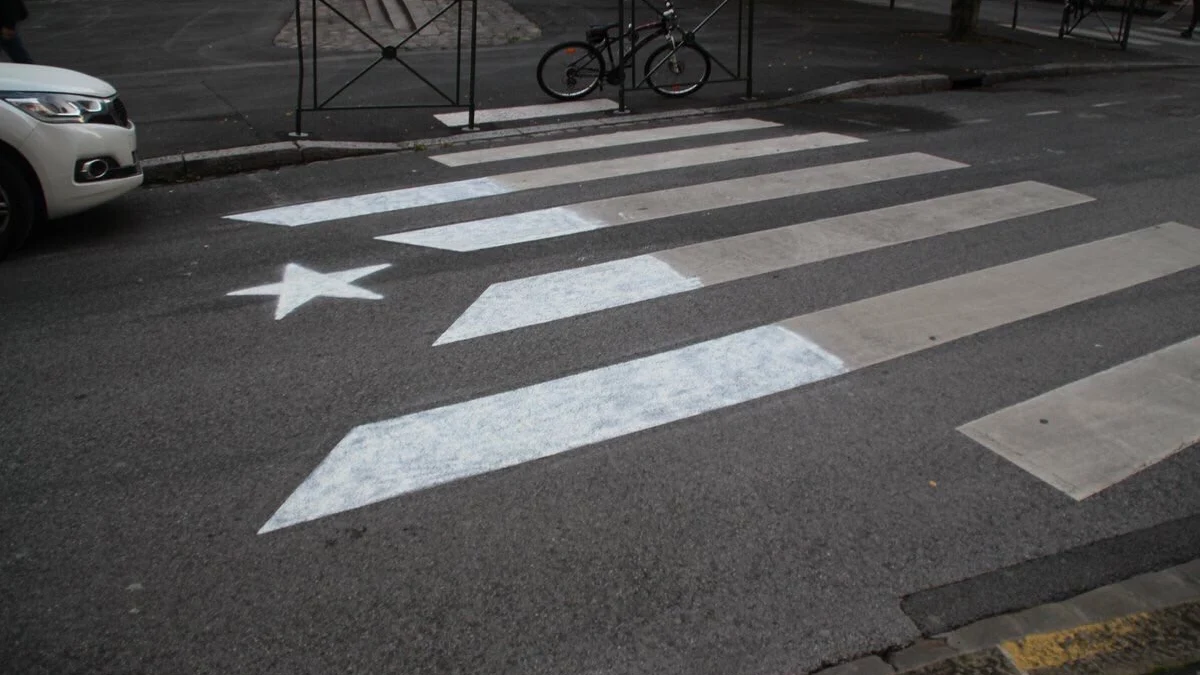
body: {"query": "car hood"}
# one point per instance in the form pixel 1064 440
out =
pixel 21 77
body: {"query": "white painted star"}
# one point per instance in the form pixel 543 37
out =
pixel 300 284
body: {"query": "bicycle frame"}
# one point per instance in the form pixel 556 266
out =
pixel 664 26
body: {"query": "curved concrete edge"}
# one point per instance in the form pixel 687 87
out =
pixel 1149 622
pixel 214 163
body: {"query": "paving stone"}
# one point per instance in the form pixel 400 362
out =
pixel 1190 571
pixel 1106 603
pixel 920 654
pixel 1047 618
pixel 987 662
pixel 986 633
pixel 872 665
pixel 1162 589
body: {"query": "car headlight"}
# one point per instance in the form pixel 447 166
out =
pixel 58 108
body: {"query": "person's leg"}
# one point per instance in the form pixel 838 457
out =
pixel 1195 18
pixel 15 49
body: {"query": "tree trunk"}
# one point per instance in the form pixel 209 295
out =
pixel 964 17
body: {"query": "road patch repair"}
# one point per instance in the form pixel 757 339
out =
pixel 1147 624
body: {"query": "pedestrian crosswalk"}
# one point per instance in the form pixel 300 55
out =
pixel 1089 442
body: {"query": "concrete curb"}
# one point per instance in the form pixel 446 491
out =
pixel 1135 626
pixel 213 163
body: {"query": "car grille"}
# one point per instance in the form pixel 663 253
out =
pixel 117 115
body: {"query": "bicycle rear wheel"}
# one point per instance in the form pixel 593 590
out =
pixel 677 72
pixel 570 70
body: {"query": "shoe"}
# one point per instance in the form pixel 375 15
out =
pixel 1186 34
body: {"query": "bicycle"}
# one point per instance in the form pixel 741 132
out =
pixel 677 68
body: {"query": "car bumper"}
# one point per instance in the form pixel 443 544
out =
pixel 60 150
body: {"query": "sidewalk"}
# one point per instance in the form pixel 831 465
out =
pixel 212 75
pixel 1143 625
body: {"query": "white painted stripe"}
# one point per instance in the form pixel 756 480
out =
pixel 1078 32
pixel 564 220
pixel 1166 35
pixel 1102 35
pixel 1043 113
pixel 1092 434
pixel 1176 41
pixel 574 292
pixel 1036 31
pixel 475 188
pixel 386 459
pixel 612 140
pixel 1108 104
pixel 528 112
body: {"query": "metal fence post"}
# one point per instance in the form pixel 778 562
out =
pixel 474 34
pixel 316 100
pixel 750 52
pixel 458 57
pixel 621 55
pixel 299 132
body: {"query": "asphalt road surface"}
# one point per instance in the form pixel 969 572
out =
pixel 231 443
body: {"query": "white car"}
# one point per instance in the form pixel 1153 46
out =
pixel 66 145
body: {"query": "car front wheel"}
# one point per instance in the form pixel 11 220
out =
pixel 16 207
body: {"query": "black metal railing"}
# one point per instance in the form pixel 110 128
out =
pixel 742 69
pixel 388 53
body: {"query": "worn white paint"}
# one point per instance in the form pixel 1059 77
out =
pixel 567 293
pixel 548 297
pixel 1043 113
pixel 300 285
pixel 1108 104
pixel 475 188
pixel 387 459
pixel 528 112
pixel 1094 433
pixel 475 235
pixel 383 460
pixel 379 202
pixel 600 141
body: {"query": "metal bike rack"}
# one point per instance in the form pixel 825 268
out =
pixel 389 53
pixel 742 71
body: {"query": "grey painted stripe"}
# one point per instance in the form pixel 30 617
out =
pixel 599 141
pixel 474 188
pixel 528 112
pixel 919 317
pixel 558 295
pixel 564 220
pixel 382 460
pixel 1092 434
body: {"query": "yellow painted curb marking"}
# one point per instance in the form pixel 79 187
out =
pixel 1050 650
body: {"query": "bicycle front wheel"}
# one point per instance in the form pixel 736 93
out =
pixel 570 70
pixel 677 72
